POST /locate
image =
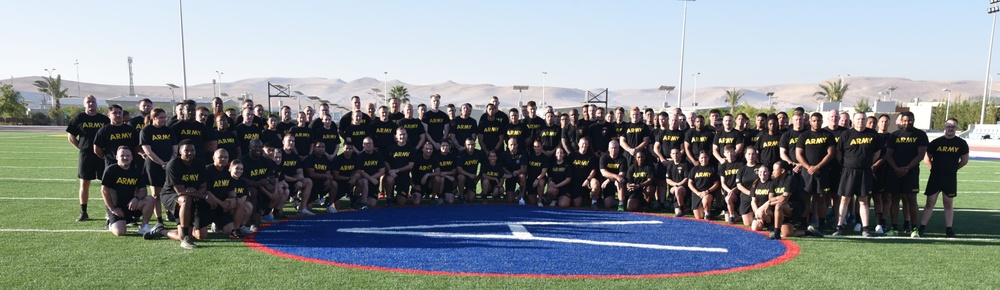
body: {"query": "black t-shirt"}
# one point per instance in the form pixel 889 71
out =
pixel 85 127
pixel 447 162
pixel 491 132
pixel 535 165
pixel 329 136
pixel 239 187
pixel 789 141
pixel 513 162
pixel 600 134
pixel 219 181
pixel 670 139
pixel 303 140
pixel 194 131
pixel 858 148
pixel 383 133
pixel 946 153
pixel 398 156
pixel 284 128
pixel 257 121
pixel 614 165
pixel 348 118
pixel 559 172
pixel 747 175
pixel 370 163
pixel 836 132
pixel 750 136
pixel 463 128
pixel 905 143
pixel 551 136
pixel 723 138
pixel 677 172
pixel 469 162
pixel 769 147
pixel 110 137
pixel 619 129
pixel 245 133
pixel 414 128
pixel 343 166
pixel 125 181
pixel 270 137
pixel 423 166
pixel 138 123
pixel 790 184
pixel 356 133
pixel 700 141
pixel 635 132
pixel 436 122
pixel 533 126
pixel 814 145
pixel 583 165
pixel 319 164
pixel 572 135
pixel 762 191
pixel 519 132
pixel 639 173
pixel 730 173
pixel 703 177
pixel 495 170
pixel 395 117
pixel 290 163
pixel 189 175
pixel 227 141
pixel 499 117
pixel 161 140
pixel 257 169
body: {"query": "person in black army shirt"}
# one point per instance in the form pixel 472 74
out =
pixel 634 137
pixel 727 136
pixel 569 131
pixel 425 171
pixel 436 121
pixel 286 123
pixel 835 127
pixel 491 176
pixel 185 196
pixel 790 139
pixel 349 117
pixel 399 157
pixel 271 135
pixel 761 209
pixel 760 121
pixel 303 136
pixel 324 109
pixel 613 168
pixel 322 175
pixel 905 149
pixel 395 113
pixel 883 200
pixel 347 172
pixel 415 129
pixel 815 151
pixel 371 166
pixel 295 175
pixel 463 127
pixel 188 128
pixel 500 115
pixel 532 122
pixel 263 189
pixel 560 173
pixel 220 184
pixel 517 129
pixel 383 130
pixel 357 130
pixel 729 177
pixel 946 155
pixel 242 207
pixel 859 148
pixel 676 175
pixel 662 138
pixel 745 178
pixel 769 142
pixel 226 138
pixel 698 139
pixel 640 185
pixel 468 170
pixel 328 134
pixel 158 146
pixel 492 131
pixel 703 181
pixel 123 188
pixel 585 175
pixel 550 135
pixel 600 132
pixel 113 135
pixel 516 163
pixel 535 176
pixel 247 131
pixel 448 163
pixel 786 197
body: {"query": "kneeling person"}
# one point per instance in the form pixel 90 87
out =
pixel 124 190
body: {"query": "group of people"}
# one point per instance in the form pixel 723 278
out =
pixel 230 170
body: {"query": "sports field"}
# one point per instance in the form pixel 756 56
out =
pixel 41 246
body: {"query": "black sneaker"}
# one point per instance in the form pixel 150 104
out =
pixel 83 217
pixel 154 233
pixel 839 232
pixel 949 234
pixel 187 242
pixel 774 236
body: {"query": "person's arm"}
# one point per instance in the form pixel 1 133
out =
pixel 921 151
pixel 691 186
pixel 625 146
pixel 311 172
pixel 718 156
pixel 714 187
pixel 99 151
pixel 743 189
pixel 73 140
pixel 800 154
pixel 962 162
pixel 544 172
pixel 687 152
pixel 831 154
pixel 109 194
pixel 643 144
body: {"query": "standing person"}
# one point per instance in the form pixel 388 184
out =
pixel 905 150
pixel 600 132
pixel 357 130
pixel 635 136
pixel 113 135
pixel 882 199
pixel 703 181
pixel 569 131
pixel 259 177
pixel 139 121
pixel 790 139
pixel 247 131
pixel 859 147
pixel 698 139
pixel 613 168
pixel 946 155
pixel 225 138
pixel 159 146
pixel 585 176
pixel 585 115
pixel 286 123
pixel 492 131
pixel 551 135
pixel 516 129
pixel 189 128
pixel 835 128
pixel 399 158
pixel 815 151
pixel 416 131
pixel 436 121
pixel 349 117
pixel 499 116
pixel 532 121
pixel 383 130
pixel 468 170
pixel 123 188
pixel 328 134
pixel 324 109
pixel 727 135
pixel 769 142
pixel 81 132
pixel 463 127
pixel 395 111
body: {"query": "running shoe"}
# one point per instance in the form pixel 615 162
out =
pixel 188 243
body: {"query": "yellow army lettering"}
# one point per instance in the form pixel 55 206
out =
pixel 221 183
pixel 534 164
pixel 491 129
pixel 613 166
pixel 702 174
pixel 347 167
pixel 436 120
pixel 730 172
pixel 120 136
pixel 161 137
pixel 251 136
pixel 425 167
pixel 127 181
pixel 949 149
pixel 446 163
pixel 383 130
pixel 639 175
pixel 906 139
pixel 189 177
pixel 401 154
pixel 726 140
pixel 321 167
pixel 464 127
pixel 226 141
pixel 770 144
pixel 814 141
pixel 190 132
pixel 634 130
pixel 290 163
pixel 471 162
pixel 581 162
pixel 258 172
pixel 861 141
pixel 91 125
pixel 701 139
pixel 330 136
pixel 760 192
pixel 371 163
pixel 548 133
pixel 302 135
pixel 671 138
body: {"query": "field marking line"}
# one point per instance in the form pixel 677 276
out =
pixel 916 239
pixel 38 179
pixel 44 198
pixel 37 167
pixel 51 231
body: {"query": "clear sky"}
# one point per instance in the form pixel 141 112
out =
pixel 581 44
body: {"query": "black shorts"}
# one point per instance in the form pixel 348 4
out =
pixel 90 166
pixel 946 183
pixel 156 174
pixel 343 189
pixel 425 186
pixel 696 201
pixel 745 201
pixel 818 183
pixel 511 183
pixel 221 218
pixel 131 216
pixel 856 182
pixel 610 190
pixel 881 179
pixel 906 184
pixel 493 185
pixel 202 214
pixel 798 208
pixel 402 184
pixel 634 194
pixel 448 186
pixel 318 189
pixel 834 177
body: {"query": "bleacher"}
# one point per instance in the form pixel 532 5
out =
pixel 982 132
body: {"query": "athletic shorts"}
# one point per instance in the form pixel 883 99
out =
pixel 696 201
pixel 881 179
pixel 856 182
pixel 745 201
pixel 156 174
pixel 946 183
pixel 402 184
pixel 90 166
pixel 202 214
pixel 635 194
pixel 797 209
pixel 131 216
pixel 448 186
pixel 510 184
pixel 609 191
pixel 425 187
pixel 818 183
pixel 493 185
pixel 906 184
pixel 318 189
pixel 834 175
pixel 221 218
pixel 343 188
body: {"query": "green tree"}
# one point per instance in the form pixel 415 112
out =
pixel 864 104
pixel 400 92
pixel 832 91
pixel 966 111
pixel 733 98
pixel 53 87
pixel 11 103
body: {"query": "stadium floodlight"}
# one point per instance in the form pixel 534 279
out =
pixel 769 95
pixel 520 94
pixel 172 87
pixel 994 8
pixel 667 89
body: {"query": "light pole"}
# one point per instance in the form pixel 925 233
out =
pixel 667 90
pixel 172 87
pixel 385 87
pixel 76 62
pixel 680 76
pixel 694 99
pixel 989 57
pixel 890 89
pixel 180 9
pixel 298 99
pixel 543 87
pixel 219 73
pixel 520 95
pixel 769 103
pixel 947 108
pixel 53 97
pixel 50 71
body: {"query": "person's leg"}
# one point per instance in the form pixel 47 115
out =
pixel 117 228
pixel 84 196
pixel 842 209
pixel 863 213
pixel 389 187
pixel 928 209
pixel 305 193
pixel 949 211
pixel 146 207
pixel 731 199
pixel 911 208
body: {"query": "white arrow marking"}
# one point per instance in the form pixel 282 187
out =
pixel 519 232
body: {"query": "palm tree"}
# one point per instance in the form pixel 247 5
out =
pixel 832 91
pixel 400 92
pixel 733 97
pixel 863 105
pixel 53 87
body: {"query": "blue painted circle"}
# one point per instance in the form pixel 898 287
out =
pixel 519 240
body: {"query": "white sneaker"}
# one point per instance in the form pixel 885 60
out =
pixel 245 230
pixel 253 228
pixel 306 212
pixel 213 229
pixel 144 229
pixel 331 209
pixel 857 227
pixel 553 203
pixel 540 204
pixel 520 202
pixel 879 229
